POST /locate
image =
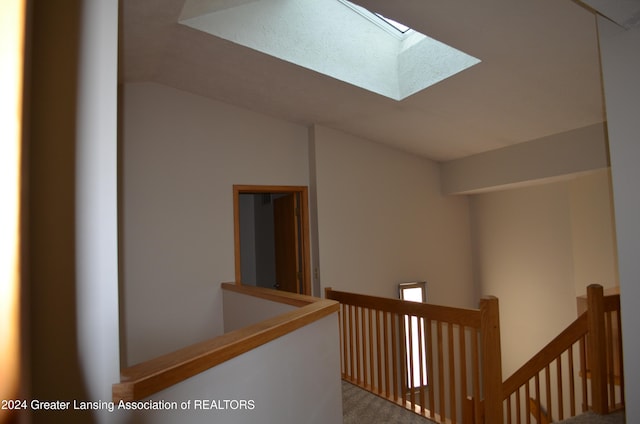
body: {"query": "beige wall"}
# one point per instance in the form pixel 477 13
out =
pixel 292 379
pixel 593 231
pixel 536 249
pixel 382 221
pixel 181 155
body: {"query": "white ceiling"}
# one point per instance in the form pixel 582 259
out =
pixel 539 74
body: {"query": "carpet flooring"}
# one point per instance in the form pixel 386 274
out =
pixel 362 407
pixel 591 418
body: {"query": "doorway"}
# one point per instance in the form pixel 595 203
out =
pixel 271 229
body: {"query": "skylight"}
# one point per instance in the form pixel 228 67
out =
pixel 333 37
pixel 393 27
pixel 397 25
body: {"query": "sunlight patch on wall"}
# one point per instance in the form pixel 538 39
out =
pixel 12 21
pixel 333 38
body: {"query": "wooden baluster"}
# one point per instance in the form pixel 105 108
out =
pixel 440 370
pixel 527 405
pixel 430 379
pixel 467 411
pixel 404 365
pixel 370 372
pixel 508 403
pixel 452 376
pixel 476 375
pixel 341 335
pixel 560 394
pixel 357 345
pixel 366 347
pixel 378 354
pixel 538 410
pixel 610 372
pixel 518 406
pixel 584 371
pixel 421 353
pixel 463 362
pixel 572 388
pixel 409 354
pixel 547 377
pixel 385 317
pixel 620 363
pixel 394 355
pixel 597 349
pixel 352 371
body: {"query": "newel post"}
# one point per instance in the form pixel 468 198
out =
pixel 327 292
pixel 491 360
pixel 597 345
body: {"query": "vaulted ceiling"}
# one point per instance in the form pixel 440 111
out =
pixel 539 75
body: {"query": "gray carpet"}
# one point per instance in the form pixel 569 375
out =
pixel 362 407
pixel 591 418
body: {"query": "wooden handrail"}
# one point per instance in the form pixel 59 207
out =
pixel 551 351
pixel 144 379
pixel 457 316
pixel 270 294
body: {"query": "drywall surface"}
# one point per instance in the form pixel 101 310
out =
pixel 556 156
pixel 537 248
pixel 523 256
pixel 97 203
pixel 297 381
pixel 593 235
pixel 382 220
pixel 241 310
pixel 181 155
pixel 620 70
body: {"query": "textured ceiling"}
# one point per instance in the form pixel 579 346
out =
pixel 539 74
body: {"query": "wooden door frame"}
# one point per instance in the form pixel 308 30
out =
pixel 303 191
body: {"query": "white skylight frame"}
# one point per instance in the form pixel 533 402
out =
pixel 389 25
pixel 332 37
pixel 401 28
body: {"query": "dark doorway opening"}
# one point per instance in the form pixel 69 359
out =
pixel 271 237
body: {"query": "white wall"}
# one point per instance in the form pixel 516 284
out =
pixel 593 231
pixel 71 284
pixel 241 310
pixel 298 381
pixel 181 155
pixel 541 160
pixel 620 69
pixel 536 249
pixel 382 221
pixel 97 202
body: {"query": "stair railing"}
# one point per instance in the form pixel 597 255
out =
pixel 453 354
pixel 579 370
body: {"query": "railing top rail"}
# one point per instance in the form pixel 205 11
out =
pixel 551 351
pixel 611 303
pixel 270 294
pixel 144 379
pixel 611 299
pixel 459 316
